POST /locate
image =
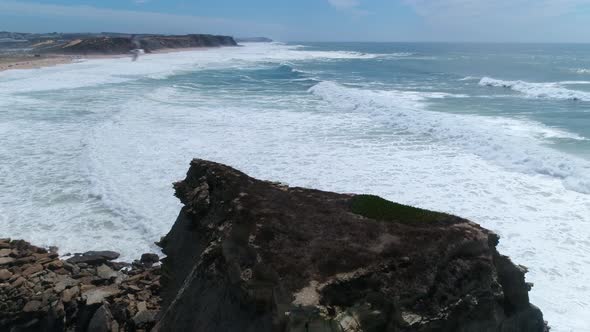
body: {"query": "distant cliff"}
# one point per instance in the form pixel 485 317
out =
pixel 254 40
pixel 114 44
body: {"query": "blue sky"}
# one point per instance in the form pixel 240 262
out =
pixel 313 20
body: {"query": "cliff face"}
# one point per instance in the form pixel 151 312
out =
pixel 249 255
pixel 124 44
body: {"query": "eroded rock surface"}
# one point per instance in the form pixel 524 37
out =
pixel 249 255
pixel 88 292
pixel 252 256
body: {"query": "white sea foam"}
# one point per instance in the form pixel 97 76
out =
pixel 159 66
pixel 582 71
pixel 554 90
pixel 91 168
pixel 470 132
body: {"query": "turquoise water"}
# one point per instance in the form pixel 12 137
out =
pixel 495 133
pixel 458 68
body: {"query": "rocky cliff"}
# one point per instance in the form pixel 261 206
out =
pixel 252 256
pixel 124 44
pixel 249 255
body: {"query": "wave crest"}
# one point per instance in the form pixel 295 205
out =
pixel 552 90
pixel 514 144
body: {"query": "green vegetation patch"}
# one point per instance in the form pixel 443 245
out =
pixel 375 207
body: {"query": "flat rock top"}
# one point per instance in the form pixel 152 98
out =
pixel 315 236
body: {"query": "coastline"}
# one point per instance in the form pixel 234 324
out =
pixel 31 62
pixel 27 61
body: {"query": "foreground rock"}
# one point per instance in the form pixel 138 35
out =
pixel 88 292
pixel 248 255
pixel 254 256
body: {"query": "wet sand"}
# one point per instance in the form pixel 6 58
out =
pixel 30 62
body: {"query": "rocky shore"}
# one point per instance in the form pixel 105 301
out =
pixel 86 292
pixel 251 255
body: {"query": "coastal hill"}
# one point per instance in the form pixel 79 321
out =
pixel 257 256
pixel 254 40
pixel 107 43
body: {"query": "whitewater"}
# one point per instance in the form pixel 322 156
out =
pixel 89 150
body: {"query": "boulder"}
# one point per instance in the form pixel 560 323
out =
pixel 105 272
pixel 145 318
pixel 6 260
pixel 149 259
pixel 5 274
pixel 93 257
pixel 99 294
pixel 32 306
pixel 102 320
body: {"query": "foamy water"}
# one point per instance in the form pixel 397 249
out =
pixel 88 151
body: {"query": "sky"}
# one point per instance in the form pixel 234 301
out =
pixel 313 20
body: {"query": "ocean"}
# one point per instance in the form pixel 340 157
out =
pixel 496 133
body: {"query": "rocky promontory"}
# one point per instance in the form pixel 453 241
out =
pixel 122 44
pixel 255 256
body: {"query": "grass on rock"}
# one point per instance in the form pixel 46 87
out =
pixel 375 207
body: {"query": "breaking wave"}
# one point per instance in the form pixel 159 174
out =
pixel 514 144
pixel 551 90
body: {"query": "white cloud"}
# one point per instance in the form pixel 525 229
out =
pixel 344 4
pixel 501 20
pixel 486 8
pixel 351 6
pixel 88 18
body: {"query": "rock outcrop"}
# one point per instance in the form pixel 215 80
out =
pixel 125 44
pixel 252 256
pixel 254 40
pixel 255 256
pixel 87 292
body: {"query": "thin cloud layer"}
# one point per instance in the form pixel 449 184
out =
pixel 344 4
pixel 503 20
pixel 478 8
pixel 134 21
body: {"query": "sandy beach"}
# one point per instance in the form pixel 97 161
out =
pixel 30 62
pixel 26 61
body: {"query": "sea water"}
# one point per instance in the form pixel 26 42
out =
pixel 499 134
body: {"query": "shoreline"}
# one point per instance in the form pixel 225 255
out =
pixel 30 62
pixel 26 61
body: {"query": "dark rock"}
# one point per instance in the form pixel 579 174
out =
pixel 32 306
pixel 256 256
pixel 102 320
pixel 149 259
pixel 93 257
pixel 118 265
pixel 254 40
pixel 145 318
pixel 84 45
pixel 105 272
